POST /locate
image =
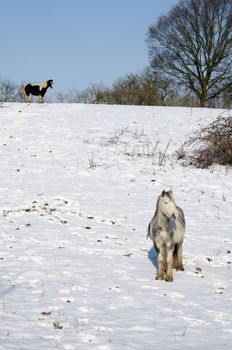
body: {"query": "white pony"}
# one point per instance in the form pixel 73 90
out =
pixel 166 230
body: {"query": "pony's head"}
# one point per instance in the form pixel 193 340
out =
pixel 50 83
pixel 166 204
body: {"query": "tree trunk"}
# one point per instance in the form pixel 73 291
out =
pixel 203 97
pixel 202 101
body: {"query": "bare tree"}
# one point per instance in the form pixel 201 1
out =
pixel 8 91
pixel 136 89
pixel 94 94
pixel 160 85
pixel 193 44
pixel 144 88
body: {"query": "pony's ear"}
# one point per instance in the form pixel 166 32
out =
pixel 163 193
pixel 170 195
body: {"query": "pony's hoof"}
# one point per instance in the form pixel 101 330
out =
pixel 159 277
pixel 169 278
pixel 180 268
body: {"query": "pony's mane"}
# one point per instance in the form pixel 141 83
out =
pixel 43 85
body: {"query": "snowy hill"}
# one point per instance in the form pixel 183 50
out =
pixel 78 187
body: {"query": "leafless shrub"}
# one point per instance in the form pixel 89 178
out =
pixel 92 160
pixel 134 143
pixel 181 153
pixel 143 150
pixel 163 155
pixel 211 145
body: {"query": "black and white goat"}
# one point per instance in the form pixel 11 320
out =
pixel 37 90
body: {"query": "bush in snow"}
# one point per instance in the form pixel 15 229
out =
pixel 211 145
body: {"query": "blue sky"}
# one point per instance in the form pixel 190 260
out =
pixel 75 42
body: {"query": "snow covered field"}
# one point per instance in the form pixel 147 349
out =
pixel 78 186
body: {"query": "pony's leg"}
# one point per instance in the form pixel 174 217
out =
pixel 160 259
pixel 169 262
pixel 26 98
pixel 41 99
pixel 174 264
pixel 179 266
